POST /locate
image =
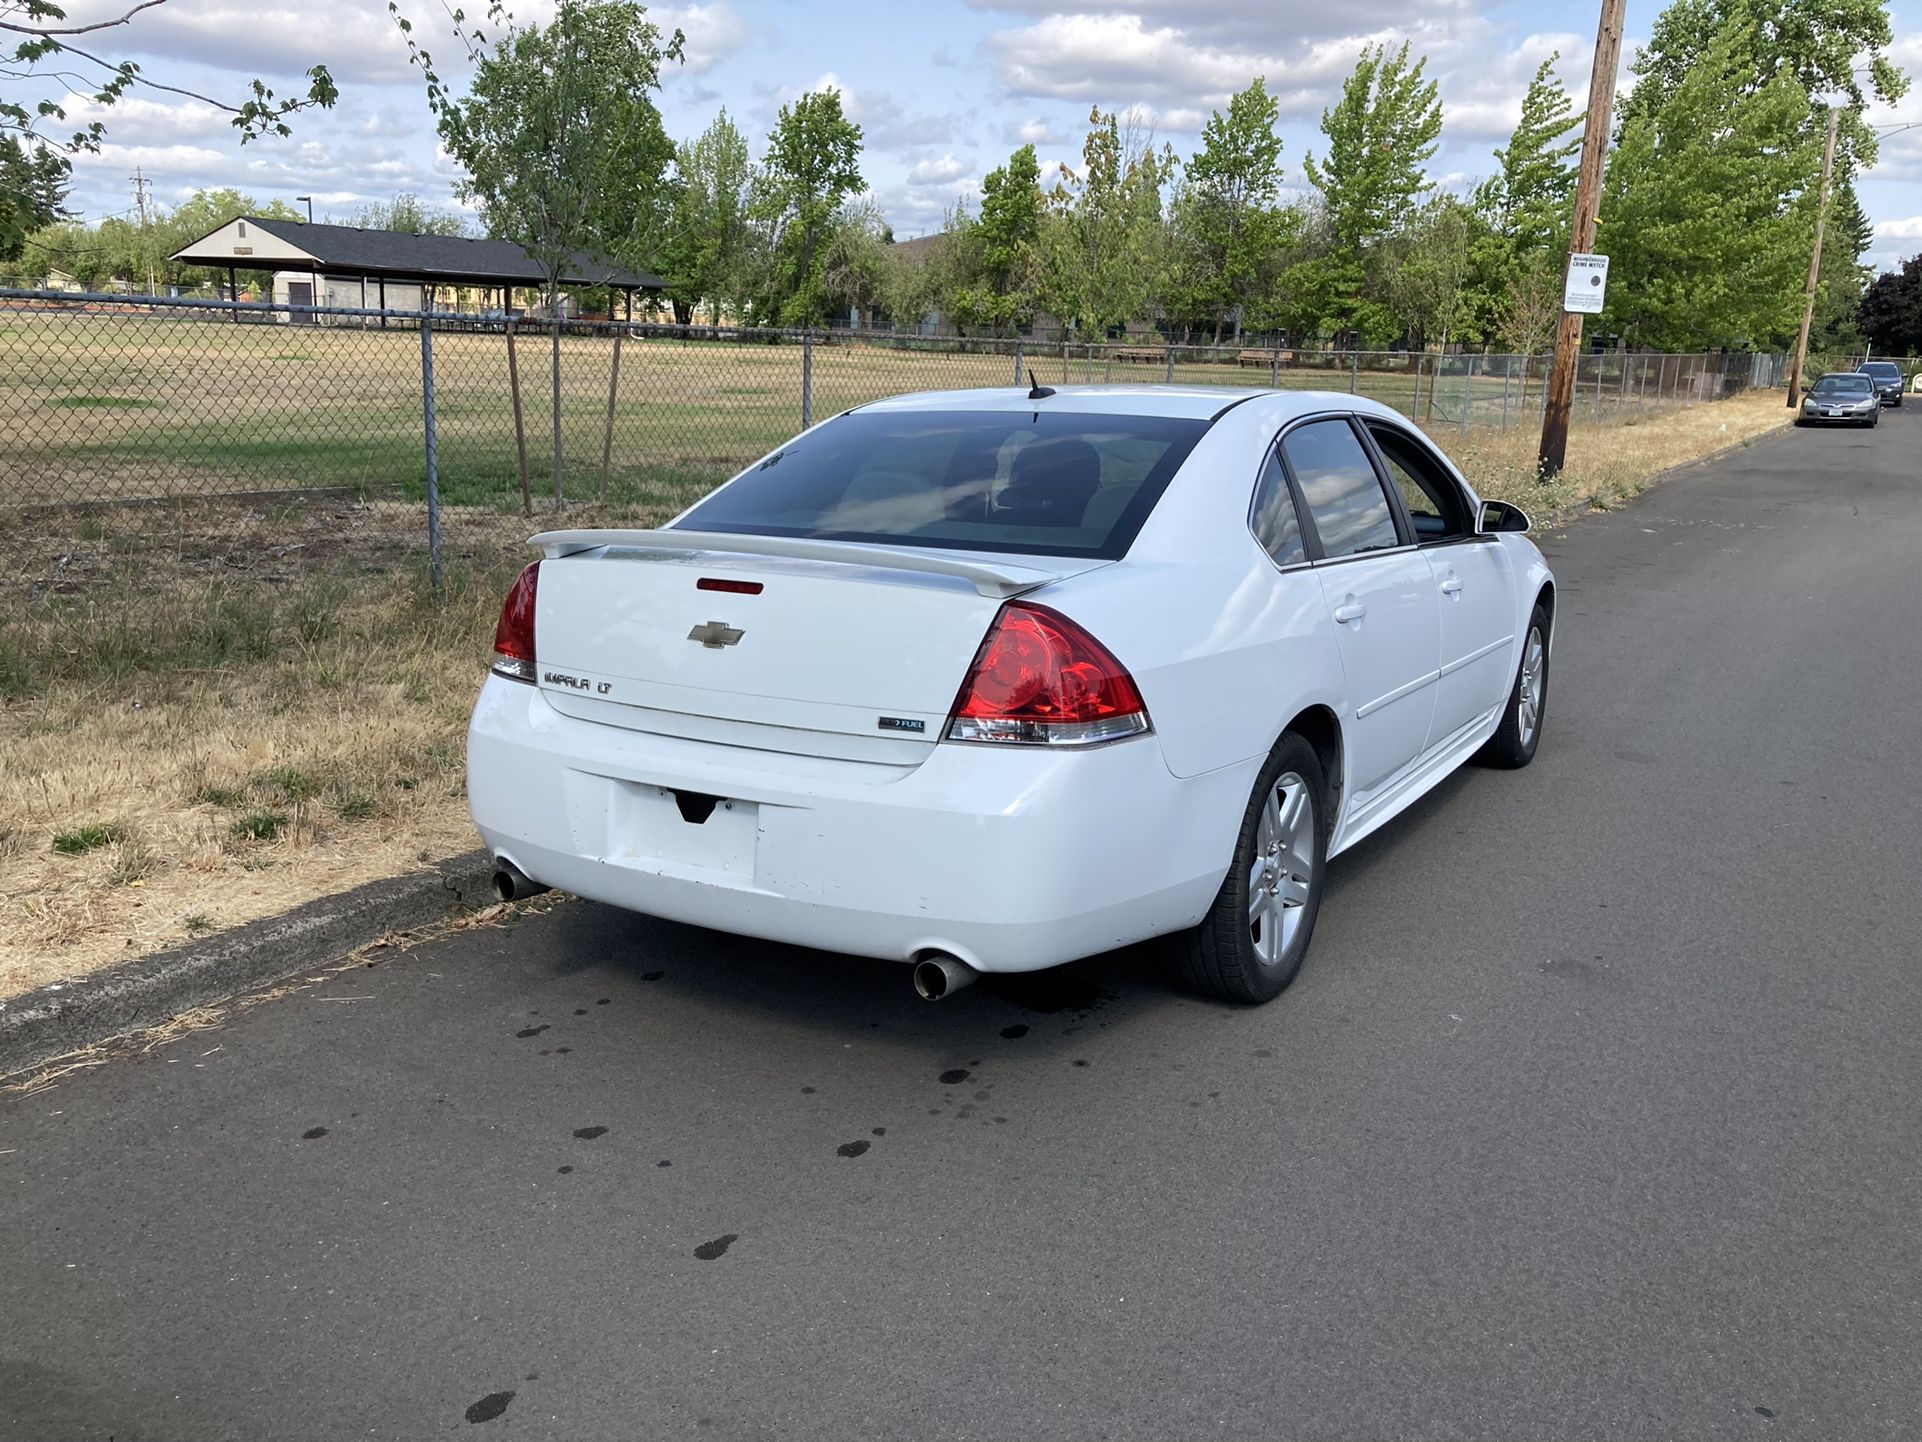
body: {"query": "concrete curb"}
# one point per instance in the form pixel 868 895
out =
pixel 146 991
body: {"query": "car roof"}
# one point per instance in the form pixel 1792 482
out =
pixel 1885 364
pixel 1171 401
pixel 1839 376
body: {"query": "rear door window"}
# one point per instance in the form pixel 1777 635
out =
pixel 1052 483
pixel 1346 504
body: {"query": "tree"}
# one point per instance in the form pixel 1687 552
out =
pixel 1381 135
pixel 1429 271
pixel 118 250
pixel 560 140
pixel 855 277
pixel 1820 44
pixel 1891 310
pixel 1004 278
pixel 938 276
pixel 1530 199
pixel 1708 209
pixel 1836 325
pixel 1228 212
pixel 1104 243
pixel 811 168
pixel 48 63
pixel 706 252
pixel 406 213
pixel 33 189
pixel 1530 306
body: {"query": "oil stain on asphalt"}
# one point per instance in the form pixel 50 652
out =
pixel 708 1251
pixel 489 1407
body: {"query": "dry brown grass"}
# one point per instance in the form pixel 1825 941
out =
pixel 1608 464
pixel 302 766
pixel 250 748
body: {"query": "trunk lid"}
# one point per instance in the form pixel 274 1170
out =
pixel 856 661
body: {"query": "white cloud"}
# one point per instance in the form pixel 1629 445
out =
pixel 1114 59
pixel 939 172
pixel 1906 228
pixel 1243 22
pixel 1483 100
pixel 357 41
pixel 713 33
pixel 1097 57
pixel 156 122
pixel 885 125
pixel 1038 132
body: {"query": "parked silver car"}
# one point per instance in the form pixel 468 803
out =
pixel 1841 398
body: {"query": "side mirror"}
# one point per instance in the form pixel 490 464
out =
pixel 1501 516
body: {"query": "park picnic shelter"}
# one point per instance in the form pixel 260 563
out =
pixel 390 270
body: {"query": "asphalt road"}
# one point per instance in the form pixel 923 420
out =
pixel 1594 1113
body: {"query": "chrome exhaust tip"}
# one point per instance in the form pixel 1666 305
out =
pixel 513 884
pixel 939 975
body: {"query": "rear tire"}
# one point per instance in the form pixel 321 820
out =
pixel 1252 941
pixel 1513 744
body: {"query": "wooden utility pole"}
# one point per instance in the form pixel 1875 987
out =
pixel 1815 265
pixel 1581 240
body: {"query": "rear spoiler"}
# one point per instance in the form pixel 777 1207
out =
pixel 989 578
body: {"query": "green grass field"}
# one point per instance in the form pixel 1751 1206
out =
pixel 101 410
pixel 109 407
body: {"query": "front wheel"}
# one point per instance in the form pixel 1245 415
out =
pixel 1513 744
pixel 1251 943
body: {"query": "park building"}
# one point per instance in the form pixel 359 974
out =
pixel 347 267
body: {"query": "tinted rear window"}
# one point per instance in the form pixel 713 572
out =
pixel 1060 484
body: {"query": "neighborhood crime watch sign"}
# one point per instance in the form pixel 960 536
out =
pixel 1587 283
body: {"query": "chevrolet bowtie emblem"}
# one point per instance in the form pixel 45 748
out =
pixel 716 634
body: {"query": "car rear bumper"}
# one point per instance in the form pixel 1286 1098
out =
pixel 1011 859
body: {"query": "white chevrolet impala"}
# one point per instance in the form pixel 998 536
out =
pixel 992 680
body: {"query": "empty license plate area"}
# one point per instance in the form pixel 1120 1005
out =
pixel 631 821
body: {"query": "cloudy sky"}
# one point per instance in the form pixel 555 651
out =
pixel 943 89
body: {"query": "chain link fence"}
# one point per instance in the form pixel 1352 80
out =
pixel 145 438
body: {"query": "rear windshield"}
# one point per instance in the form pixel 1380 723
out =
pixel 1881 370
pixel 1059 484
pixel 1842 385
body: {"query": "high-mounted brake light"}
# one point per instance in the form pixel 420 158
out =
pixel 1040 680
pixel 514 636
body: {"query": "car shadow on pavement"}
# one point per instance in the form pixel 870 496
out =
pixel 719 973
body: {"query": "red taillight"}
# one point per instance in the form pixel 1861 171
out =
pixel 514 636
pixel 1040 680
pixel 737 588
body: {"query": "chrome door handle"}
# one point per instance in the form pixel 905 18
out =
pixel 1353 611
pixel 1452 586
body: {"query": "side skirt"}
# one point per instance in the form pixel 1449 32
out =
pixel 1449 756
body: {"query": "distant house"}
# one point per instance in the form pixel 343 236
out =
pixel 390 270
pixel 60 280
